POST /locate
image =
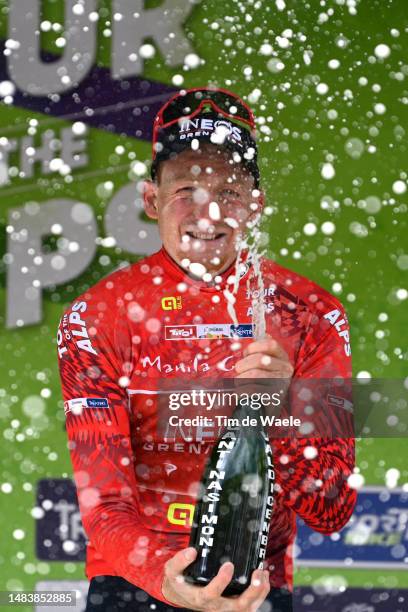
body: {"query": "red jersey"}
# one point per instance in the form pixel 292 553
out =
pixel 136 488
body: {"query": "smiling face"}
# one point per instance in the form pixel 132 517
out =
pixel 202 203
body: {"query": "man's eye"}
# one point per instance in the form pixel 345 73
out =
pixel 186 189
pixel 230 193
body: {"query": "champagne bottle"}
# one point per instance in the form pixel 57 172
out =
pixel 232 515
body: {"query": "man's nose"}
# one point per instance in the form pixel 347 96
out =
pixel 207 206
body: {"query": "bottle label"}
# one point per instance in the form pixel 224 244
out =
pixel 209 519
pixel 269 502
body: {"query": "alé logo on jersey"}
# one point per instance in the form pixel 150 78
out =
pixel 210 331
pixel 180 514
pixel 171 302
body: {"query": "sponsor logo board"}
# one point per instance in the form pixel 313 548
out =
pixel 351 599
pixel 59 532
pixel 211 331
pixel 375 536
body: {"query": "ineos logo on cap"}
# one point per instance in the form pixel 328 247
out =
pixel 190 128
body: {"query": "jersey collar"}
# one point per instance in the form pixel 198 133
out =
pixel 179 275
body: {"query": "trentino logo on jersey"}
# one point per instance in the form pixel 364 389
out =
pixel 242 330
pixel 78 404
pixel 211 331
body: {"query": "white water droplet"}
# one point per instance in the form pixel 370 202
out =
pixel 200 196
pixel 19 534
pixel 197 269
pixel 7 88
pixel 399 187
pixel 33 406
pixel 81 213
pixel 328 228
pixel 363 376
pixel 177 80
pixel 147 51
pixel 354 147
pixel 382 51
pixel 214 211
pixel 402 262
pixel 372 205
pixel 310 229
pixel 328 172
pixel 356 481
pixel 310 452
pixel 139 168
pixel 391 478
pixel 266 49
pixel 380 108
pixel 192 60
pixel 322 89
pixel 231 222
pixel 275 65
pixel 79 128
pixel 334 64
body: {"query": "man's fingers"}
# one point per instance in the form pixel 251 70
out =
pixel 268 346
pixel 177 564
pixel 257 591
pixel 218 583
pixel 261 361
pixel 210 596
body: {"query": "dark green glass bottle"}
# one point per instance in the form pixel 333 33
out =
pixel 233 512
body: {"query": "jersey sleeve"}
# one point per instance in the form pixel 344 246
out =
pixel 312 472
pixel 94 358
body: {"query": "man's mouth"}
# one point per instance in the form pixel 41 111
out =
pixel 206 236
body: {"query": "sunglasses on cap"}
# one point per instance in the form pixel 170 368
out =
pixel 191 102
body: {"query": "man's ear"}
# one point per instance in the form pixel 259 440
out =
pixel 150 199
pixel 260 200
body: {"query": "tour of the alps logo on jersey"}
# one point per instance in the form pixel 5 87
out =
pixel 210 331
pixel 78 404
pixel 171 302
pixel 267 296
pixel 73 327
pixel 340 323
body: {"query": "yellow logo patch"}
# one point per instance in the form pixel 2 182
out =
pixel 180 514
pixel 171 302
